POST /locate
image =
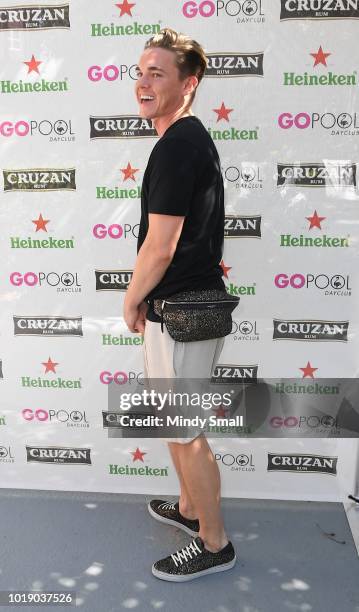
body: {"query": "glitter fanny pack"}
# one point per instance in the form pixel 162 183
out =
pixel 197 315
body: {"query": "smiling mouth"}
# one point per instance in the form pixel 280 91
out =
pixel 146 99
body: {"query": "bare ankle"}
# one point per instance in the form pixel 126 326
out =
pixel 214 543
pixel 187 510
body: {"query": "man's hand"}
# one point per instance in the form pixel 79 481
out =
pixel 135 317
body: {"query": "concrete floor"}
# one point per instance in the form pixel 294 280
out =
pixel 293 556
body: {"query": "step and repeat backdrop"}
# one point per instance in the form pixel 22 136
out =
pixel 280 100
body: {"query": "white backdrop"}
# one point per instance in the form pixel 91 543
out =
pixel 56 81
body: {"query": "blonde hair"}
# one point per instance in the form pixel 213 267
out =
pixel 190 56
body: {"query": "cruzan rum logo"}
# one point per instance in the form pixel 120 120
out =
pixel 234 64
pixel 34 17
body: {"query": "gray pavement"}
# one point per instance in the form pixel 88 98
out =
pixel 292 556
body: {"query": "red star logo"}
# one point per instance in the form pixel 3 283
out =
pixel 220 412
pixel 308 371
pixel 41 223
pixel 33 65
pixel 320 57
pixel 225 269
pixel 315 220
pixel 129 172
pixel 125 8
pixel 222 112
pixel 138 455
pixel 49 365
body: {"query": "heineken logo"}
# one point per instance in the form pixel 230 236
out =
pixel 317 174
pixel 58 454
pixel 305 388
pixel 121 126
pixel 226 373
pixel 319 464
pixel 223 113
pixel 241 289
pixel 109 340
pixel 138 470
pixel 134 29
pixel 40 179
pixel 42 85
pixel 315 221
pixel 113 280
pixel 310 330
pixel 236 226
pixel 38 17
pixel 47 326
pixel 234 64
pixel 330 78
pixel 319 9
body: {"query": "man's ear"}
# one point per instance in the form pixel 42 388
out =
pixel 191 83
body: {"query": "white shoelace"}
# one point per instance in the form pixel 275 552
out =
pixel 167 506
pixel 181 555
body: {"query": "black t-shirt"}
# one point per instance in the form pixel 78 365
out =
pixel 183 177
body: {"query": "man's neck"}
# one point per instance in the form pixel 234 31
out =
pixel 162 124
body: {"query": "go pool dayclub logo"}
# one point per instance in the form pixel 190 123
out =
pixel 47 326
pixel 317 174
pixel 121 126
pixel 238 226
pixel 132 29
pixel 305 329
pixel 138 470
pixel 234 64
pixel 319 9
pixel 317 464
pixel 40 179
pixel 328 79
pixel 33 84
pixel 34 17
pixel 58 454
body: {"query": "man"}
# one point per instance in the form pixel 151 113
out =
pixel 180 247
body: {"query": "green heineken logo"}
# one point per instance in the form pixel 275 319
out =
pixel 328 79
pixel 129 470
pixel 135 29
pixel 241 290
pixel 50 382
pixel 131 192
pixel 2 420
pixel 48 243
pixel 33 85
pixel 232 133
pixel 109 340
pixel 288 240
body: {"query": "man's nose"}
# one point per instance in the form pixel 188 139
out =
pixel 143 81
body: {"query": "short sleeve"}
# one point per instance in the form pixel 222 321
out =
pixel 174 171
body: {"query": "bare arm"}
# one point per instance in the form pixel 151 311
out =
pixel 153 259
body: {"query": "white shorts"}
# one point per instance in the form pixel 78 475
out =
pixel 167 358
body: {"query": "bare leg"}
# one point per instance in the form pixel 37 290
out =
pixel 202 479
pixel 186 505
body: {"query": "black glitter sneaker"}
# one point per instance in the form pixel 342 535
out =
pixel 168 512
pixel 194 561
